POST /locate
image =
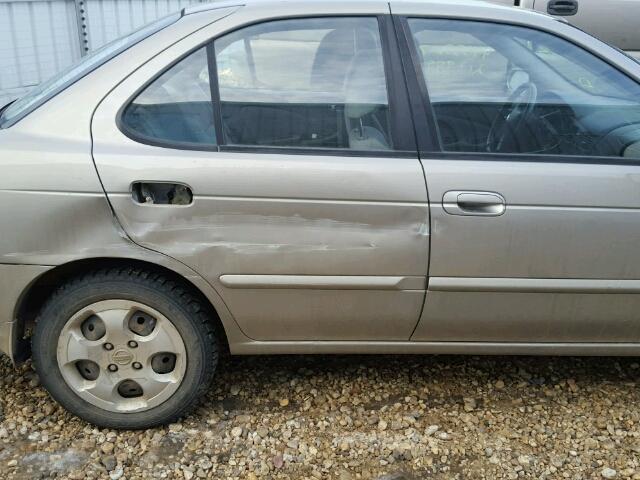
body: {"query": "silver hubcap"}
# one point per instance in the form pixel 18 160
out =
pixel 121 356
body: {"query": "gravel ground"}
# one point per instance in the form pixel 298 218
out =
pixel 348 417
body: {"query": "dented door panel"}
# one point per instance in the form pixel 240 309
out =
pixel 242 234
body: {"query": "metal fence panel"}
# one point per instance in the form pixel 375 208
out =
pixel 110 19
pixel 39 38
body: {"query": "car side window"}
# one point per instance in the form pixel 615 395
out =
pixel 306 83
pixel 176 107
pixel 497 88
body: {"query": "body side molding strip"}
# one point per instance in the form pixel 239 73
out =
pixel 532 285
pixel 324 282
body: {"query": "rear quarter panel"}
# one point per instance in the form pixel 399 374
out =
pixel 55 210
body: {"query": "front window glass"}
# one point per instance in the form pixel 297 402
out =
pixel 311 83
pixel 177 106
pixel 507 89
pixel 49 88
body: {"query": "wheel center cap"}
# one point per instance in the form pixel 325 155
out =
pixel 122 357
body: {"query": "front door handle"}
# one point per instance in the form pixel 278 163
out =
pixel 485 204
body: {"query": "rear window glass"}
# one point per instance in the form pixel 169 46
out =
pixel 177 106
pixel 305 83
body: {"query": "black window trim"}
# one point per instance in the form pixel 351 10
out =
pixel 427 133
pixel 215 92
pixel 401 121
pixel 427 149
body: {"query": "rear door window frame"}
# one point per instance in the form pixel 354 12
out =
pixel 401 121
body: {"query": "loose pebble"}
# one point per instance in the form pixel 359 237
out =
pixel 351 418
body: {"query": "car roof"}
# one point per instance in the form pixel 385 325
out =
pixel 227 3
pixel 473 9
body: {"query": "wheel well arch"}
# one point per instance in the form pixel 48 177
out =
pixel 34 297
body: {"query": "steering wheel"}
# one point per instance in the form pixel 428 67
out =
pixel 512 116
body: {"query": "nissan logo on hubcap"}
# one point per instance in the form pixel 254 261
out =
pixel 122 357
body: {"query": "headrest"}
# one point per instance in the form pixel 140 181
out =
pixel 334 55
pixel 365 86
pixel 632 151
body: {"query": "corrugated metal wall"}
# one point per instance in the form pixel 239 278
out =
pixel 39 38
pixel 110 19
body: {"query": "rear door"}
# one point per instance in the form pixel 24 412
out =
pixel 533 174
pixel 279 162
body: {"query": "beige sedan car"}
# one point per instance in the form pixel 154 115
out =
pixel 303 176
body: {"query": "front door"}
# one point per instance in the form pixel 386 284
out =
pixel 273 161
pixel 535 191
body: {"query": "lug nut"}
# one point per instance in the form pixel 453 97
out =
pixel 137 365
pixel 108 346
pixel 132 344
pixel 112 367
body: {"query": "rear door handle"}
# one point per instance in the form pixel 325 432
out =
pixel 161 193
pixel 485 204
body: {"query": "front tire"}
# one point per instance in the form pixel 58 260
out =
pixel 125 348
